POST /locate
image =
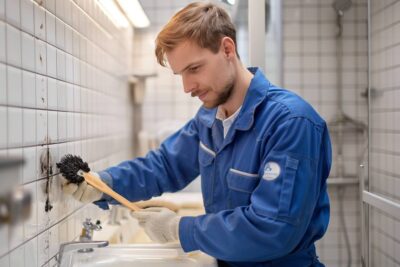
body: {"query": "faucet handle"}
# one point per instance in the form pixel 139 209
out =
pixel 88 227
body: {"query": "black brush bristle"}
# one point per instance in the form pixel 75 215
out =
pixel 69 167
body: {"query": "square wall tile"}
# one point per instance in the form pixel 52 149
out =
pixel 43 248
pixel 69 68
pixel 28 89
pixel 60 34
pixel 27 22
pixel 52 126
pixel 51 28
pixel 2 42
pixel 13 45
pixel 75 16
pixel 61 65
pixel 17 257
pixel 54 242
pixel 29 169
pixel 40 56
pixel 3 84
pixel 5 260
pixel 77 98
pixel 62 126
pixel 70 97
pixel 51 61
pixel 70 126
pixel 29 127
pixel 13 12
pixel 31 253
pixel 60 9
pixel 14 127
pixel 68 39
pixel 52 94
pixel 40 22
pixel 3 130
pixel 14 90
pixel 77 125
pixel 28 52
pixel 41 127
pixel 41 91
pixel 77 71
pixel 62 95
pixel 51 6
pixel 63 231
pixel 75 43
pixel 2 9
pixel 67 12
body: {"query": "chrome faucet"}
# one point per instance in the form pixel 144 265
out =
pixel 81 246
pixel 88 228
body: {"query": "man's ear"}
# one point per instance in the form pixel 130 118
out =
pixel 228 47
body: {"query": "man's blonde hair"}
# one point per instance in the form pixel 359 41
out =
pixel 200 22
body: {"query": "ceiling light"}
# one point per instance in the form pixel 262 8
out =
pixel 134 12
pixel 114 13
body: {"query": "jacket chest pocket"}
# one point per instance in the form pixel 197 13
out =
pixel 241 185
pixel 206 160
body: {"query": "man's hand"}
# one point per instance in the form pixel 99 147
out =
pixel 83 192
pixel 160 224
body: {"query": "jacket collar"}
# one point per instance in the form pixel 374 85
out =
pixel 255 95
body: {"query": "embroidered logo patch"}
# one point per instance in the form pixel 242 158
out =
pixel 271 170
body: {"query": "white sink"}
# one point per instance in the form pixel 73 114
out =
pixel 137 255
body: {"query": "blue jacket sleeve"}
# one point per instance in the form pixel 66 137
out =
pixel 281 207
pixel 167 169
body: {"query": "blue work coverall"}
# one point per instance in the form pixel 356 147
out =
pixel 264 185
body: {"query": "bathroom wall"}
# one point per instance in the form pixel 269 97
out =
pixel 310 69
pixel 63 89
pixel 384 176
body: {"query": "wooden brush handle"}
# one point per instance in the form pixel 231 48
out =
pixel 103 187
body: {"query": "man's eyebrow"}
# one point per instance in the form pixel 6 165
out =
pixel 188 66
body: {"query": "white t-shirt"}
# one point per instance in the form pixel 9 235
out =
pixel 227 122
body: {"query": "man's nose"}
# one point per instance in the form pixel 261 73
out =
pixel 188 85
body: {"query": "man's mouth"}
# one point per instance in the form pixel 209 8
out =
pixel 200 95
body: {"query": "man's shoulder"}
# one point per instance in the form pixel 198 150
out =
pixel 284 104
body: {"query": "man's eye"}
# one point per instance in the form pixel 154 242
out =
pixel 193 69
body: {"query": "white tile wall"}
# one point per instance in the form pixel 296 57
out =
pixel 51 91
pixel 27 22
pixel 14 86
pixel 3 84
pixel 384 176
pixel 28 52
pixel 28 89
pixel 13 39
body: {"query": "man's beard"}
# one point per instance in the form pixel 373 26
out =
pixel 222 97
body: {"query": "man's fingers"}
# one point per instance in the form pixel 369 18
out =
pixel 69 188
pixel 79 192
pixel 153 209
pixel 89 194
pixel 142 216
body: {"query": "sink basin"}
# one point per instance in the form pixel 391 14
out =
pixel 137 255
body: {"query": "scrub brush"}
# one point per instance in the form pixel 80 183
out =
pixel 75 170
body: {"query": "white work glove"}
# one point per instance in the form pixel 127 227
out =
pixel 160 224
pixel 83 192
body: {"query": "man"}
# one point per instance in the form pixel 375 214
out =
pixel 263 154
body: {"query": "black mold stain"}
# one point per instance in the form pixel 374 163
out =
pixel 46 170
